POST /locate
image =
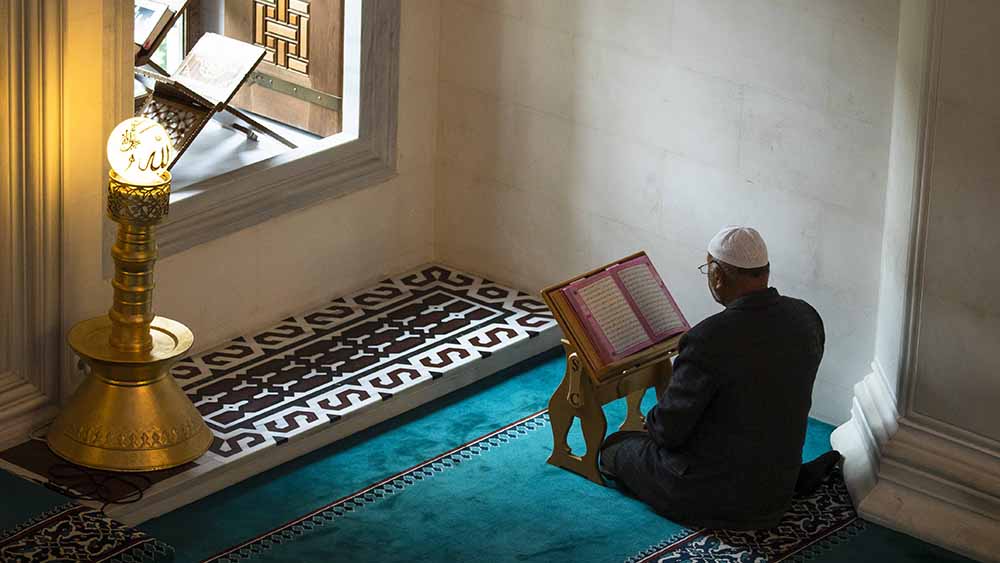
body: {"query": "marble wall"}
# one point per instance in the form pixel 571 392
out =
pixel 252 278
pixel 572 132
pixel 959 320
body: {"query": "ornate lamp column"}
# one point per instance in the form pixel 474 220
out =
pixel 129 414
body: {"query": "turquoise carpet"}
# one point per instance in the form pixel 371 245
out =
pixel 24 499
pixel 494 501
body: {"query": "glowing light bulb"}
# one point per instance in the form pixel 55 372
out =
pixel 139 151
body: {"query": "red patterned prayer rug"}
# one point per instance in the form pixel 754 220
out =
pixel 823 518
pixel 72 532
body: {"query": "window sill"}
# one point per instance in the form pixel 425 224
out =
pixel 220 148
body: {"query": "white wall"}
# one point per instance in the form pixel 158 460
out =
pixel 541 138
pixel 253 278
pixel 956 369
pixel 573 132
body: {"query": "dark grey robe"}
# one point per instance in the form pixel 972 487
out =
pixel 724 443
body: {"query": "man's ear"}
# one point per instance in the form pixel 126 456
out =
pixel 719 279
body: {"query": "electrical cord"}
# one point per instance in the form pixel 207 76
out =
pixel 84 483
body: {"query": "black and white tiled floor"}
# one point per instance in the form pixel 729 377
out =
pixel 313 369
pixel 317 377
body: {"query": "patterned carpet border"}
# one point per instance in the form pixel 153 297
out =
pixel 811 526
pixel 380 490
pixel 72 532
pixel 663 546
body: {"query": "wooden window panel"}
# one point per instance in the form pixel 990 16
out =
pixel 305 47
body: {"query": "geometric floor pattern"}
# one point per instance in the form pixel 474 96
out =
pixel 313 369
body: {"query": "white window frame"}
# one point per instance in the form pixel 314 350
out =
pixel 331 168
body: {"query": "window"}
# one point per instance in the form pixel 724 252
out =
pixel 292 97
pixel 231 181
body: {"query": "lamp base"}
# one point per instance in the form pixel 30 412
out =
pixel 129 414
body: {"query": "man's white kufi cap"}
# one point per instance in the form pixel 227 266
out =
pixel 738 246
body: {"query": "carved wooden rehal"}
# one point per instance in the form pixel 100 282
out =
pixel 589 384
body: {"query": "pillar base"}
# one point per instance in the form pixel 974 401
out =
pixel 922 483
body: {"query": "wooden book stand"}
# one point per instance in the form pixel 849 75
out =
pixel 222 63
pixel 589 384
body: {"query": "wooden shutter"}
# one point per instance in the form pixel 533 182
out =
pixel 300 81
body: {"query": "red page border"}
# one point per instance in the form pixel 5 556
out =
pixel 644 260
pixel 605 349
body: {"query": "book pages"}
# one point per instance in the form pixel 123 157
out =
pixel 613 315
pixel 217 66
pixel 616 312
pixel 652 301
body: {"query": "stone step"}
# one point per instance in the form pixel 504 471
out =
pixel 315 378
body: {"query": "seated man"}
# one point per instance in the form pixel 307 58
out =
pixel 722 448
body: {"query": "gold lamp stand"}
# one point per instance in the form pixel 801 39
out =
pixel 129 414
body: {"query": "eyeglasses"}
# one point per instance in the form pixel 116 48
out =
pixel 704 268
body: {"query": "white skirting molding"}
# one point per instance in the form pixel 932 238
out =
pixel 23 409
pixel 861 439
pixel 917 481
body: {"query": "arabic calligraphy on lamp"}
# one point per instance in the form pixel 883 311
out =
pixel 139 151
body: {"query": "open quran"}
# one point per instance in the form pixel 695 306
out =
pixel 617 311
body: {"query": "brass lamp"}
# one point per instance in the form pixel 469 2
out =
pixel 129 414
